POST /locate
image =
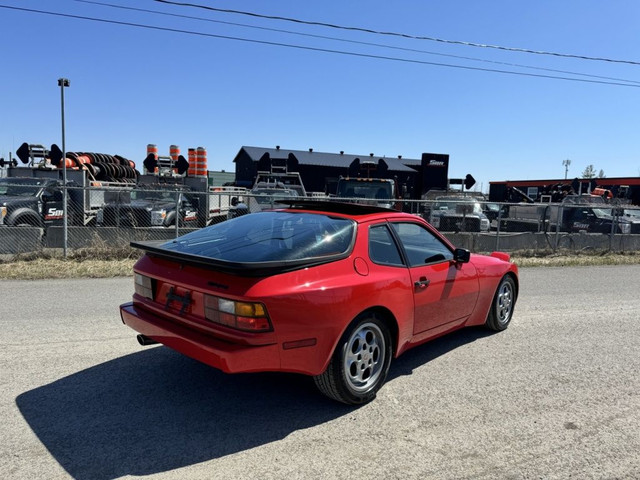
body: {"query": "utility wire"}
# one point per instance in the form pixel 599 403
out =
pixel 314 49
pixel 370 44
pixel 396 34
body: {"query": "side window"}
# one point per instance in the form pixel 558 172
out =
pixel 420 245
pixel 580 214
pixel 51 195
pixel 382 247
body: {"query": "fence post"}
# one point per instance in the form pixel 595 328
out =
pixel 559 219
pixel 177 214
pixel 118 204
pixel 464 219
pixel 614 221
pixel 498 228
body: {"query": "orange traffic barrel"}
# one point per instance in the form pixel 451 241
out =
pixel 174 153
pixel 603 192
pixel 152 149
pixel 191 158
pixel 201 162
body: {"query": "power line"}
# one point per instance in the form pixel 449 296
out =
pixel 315 49
pixel 356 42
pixel 396 34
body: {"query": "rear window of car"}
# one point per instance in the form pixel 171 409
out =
pixel 269 237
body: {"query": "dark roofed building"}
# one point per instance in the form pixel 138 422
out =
pixel 319 170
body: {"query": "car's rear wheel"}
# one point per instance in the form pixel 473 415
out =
pixel 503 304
pixel 360 363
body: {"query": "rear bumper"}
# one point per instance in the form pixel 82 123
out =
pixel 225 356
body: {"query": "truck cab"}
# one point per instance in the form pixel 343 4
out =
pixel 35 202
pixel 375 191
pixel 603 219
pixel 149 206
pixel 459 214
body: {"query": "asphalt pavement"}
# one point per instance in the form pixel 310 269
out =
pixel 555 396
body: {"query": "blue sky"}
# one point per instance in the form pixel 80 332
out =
pixel 133 86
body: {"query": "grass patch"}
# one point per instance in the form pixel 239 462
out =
pixel 94 262
pixel 106 262
pixel 541 258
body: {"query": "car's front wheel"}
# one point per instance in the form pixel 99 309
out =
pixel 503 304
pixel 360 363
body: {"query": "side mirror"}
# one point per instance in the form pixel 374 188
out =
pixel 461 255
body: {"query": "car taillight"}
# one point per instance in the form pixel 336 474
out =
pixel 143 286
pixel 247 316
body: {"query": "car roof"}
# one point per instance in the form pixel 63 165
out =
pixel 358 212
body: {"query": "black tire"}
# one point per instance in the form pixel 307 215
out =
pixel 90 169
pixel 26 220
pixel 122 160
pixel 75 159
pixel 98 171
pixel 502 305
pixel 360 363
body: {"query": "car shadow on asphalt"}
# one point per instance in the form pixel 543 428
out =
pixel 414 358
pixel 157 410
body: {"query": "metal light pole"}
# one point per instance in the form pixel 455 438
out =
pixel 566 164
pixel 64 82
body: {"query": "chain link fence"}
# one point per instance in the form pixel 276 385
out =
pixel 32 217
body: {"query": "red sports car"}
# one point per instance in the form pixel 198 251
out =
pixel 326 289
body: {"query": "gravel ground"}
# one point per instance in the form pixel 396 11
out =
pixel 555 396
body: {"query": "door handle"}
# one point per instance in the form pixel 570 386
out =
pixel 422 283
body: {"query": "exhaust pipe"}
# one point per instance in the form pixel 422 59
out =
pixel 144 340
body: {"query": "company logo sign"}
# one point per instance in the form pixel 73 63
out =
pixel 436 163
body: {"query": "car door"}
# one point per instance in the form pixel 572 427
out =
pixel 444 291
pixel 188 212
pixel 52 207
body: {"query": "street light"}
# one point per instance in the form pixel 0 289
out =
pixel 64 82
pixel 566 164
